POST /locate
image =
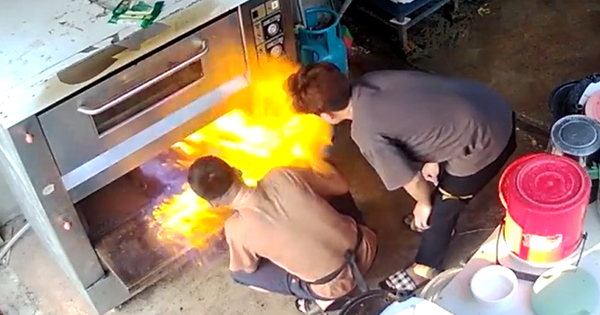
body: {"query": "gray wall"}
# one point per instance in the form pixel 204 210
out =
pixel 8 206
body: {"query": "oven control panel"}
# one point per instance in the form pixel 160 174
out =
pixel 267 26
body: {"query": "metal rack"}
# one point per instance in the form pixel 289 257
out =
pixel 404 15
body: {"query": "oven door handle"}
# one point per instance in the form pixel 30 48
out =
pixel 203 44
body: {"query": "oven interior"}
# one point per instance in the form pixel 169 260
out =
pixel 118 218
pixel 121 218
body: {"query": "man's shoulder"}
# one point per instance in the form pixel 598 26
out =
pixel 233 223
pixel 288 177
pixel 284 172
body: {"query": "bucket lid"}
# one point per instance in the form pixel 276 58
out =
pixel 576 135
pixel 565 291
pixel 507 176
pixel 546 184
pixel 592 106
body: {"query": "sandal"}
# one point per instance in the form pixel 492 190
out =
pixel 409 220
pixel 310 307
pixel 401 284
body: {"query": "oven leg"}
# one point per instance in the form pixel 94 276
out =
pixel 407 47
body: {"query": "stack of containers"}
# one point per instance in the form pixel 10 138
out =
pixel 575 133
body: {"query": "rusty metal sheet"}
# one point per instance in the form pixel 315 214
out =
pixel 134 253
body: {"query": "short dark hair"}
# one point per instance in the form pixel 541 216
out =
pixel 210 177
pixel 319 88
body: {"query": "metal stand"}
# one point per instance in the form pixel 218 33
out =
pixel 593 171
pixel 401 21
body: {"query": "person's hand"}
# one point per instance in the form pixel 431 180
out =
pixel 422 211
pixel 430 172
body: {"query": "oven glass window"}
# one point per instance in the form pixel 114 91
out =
pixel 148 97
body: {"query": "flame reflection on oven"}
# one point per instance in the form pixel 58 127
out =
pixel 269 135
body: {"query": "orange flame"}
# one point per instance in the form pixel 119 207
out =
pixel 270 135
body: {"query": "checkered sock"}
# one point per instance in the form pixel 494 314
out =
pixel 401 281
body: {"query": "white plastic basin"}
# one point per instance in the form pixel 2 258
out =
pixel 494 286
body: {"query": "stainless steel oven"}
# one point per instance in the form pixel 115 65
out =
pixel 91 158
pixel 106 116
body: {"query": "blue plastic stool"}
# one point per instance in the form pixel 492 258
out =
pixel 322 44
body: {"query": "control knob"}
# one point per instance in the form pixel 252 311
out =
pixel 273 29
pixel 276 51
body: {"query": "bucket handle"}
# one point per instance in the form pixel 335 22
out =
pixel 317 52
pixel 317 10
pixel 527 276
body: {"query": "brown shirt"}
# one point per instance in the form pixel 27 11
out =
pixel 287 221
pixel 403 119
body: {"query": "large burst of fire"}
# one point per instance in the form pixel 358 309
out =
pixel 255 141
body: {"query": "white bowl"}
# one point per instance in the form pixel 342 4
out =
pixel 494 286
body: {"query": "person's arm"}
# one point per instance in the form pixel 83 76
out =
pixel 430 172
pixel 420 189
pixel 241 258
pixel 395 169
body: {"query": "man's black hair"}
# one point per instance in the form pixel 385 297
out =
pixel 210 177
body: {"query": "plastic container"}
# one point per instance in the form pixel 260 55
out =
pixel 592 106
pixel 545 197
pixel 577 137
pixel 566 290
pixel 564 99
pixel 321 40
pixel 368 303
pixel 433 288
pixel 414 306
pixel 559 104
pixel 494 286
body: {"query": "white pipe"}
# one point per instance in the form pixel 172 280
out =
pixel 14 240
pixel 26 227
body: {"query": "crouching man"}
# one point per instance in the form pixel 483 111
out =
pixel 286 236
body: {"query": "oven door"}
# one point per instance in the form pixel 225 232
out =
pixel 89 125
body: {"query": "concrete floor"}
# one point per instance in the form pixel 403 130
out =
pixel 526 48
pixel 523 56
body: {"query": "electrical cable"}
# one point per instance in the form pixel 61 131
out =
pixel 6 248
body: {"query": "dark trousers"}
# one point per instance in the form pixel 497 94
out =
pixel 270 277
pixel 273 278
pixel 346 205
pixel 444 215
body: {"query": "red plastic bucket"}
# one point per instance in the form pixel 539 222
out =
pixel 545 197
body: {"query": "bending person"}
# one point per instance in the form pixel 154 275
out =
pixel 285 237
pixel 441 139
